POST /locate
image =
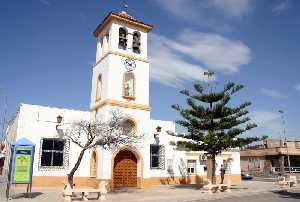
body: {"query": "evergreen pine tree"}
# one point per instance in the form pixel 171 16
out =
pixel 212 125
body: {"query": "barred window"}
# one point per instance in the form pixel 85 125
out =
pixel 157 156
pixel 53 153
pixel 191 167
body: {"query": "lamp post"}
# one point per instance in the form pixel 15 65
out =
pixel 285 141
pixel 59 119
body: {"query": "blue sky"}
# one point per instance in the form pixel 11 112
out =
pixel 47 51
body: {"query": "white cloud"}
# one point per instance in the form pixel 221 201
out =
pixel 273 93
pixel 282 6
pixel 298 87
pixel 210 13
pixel 233 7
pixel 171 58
pixel 267 121
pixel 168 67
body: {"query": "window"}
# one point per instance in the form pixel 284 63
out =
pixel 128 88
pixel 227 165
pixel 122 38
pixel 191 167
pixel 129 126
pixel 136 44
pixel 53 152
pixel 157 156
pixel 99 87
pixel 253 163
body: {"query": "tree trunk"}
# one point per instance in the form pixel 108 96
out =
pixel 213 173
pixel 71 174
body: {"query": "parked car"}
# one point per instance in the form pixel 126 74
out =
pixel 246 176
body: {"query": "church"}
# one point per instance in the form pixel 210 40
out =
pixel 120 81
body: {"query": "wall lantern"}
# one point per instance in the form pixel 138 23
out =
pixel 156 135
pixel 158 129
pixel 59 119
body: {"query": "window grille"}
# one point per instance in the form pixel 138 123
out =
pixel 54 154
pixel 157 156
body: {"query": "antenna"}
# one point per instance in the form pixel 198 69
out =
pixel 209 74
pixel 125 6
pixel 4 115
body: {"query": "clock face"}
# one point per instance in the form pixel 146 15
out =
pixel 129 64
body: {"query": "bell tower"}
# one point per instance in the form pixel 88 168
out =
pixel 121 71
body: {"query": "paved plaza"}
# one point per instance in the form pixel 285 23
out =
pixel 246 191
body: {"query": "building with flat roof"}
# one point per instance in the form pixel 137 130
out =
pixel 272 156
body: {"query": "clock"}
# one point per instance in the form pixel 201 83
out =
pixel 129 64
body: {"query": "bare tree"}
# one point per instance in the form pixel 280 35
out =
pixel 108 134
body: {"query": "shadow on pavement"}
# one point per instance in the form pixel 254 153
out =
pixel 124 190
pixel 187 186
pixel 287 194
pixel 200 186
pixel 26 195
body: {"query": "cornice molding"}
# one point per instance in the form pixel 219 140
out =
pixel 118 103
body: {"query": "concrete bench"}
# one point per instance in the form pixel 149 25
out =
pixel 290 182
pixel 85 191
pixel 287 183
pixel 217 187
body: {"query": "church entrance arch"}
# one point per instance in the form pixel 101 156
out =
pixel 125 169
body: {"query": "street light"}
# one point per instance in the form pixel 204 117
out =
pixel 285 141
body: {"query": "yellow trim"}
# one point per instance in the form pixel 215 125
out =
pixel 130 56
pixel 120 104
pixel 119 53
pixel 57 181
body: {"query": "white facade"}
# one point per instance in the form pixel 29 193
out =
pixel 38 122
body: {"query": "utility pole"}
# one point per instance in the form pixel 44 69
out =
pixel 285 140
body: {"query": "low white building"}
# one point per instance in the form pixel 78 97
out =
pixel 120 81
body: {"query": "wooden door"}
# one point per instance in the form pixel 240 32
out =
pixel 125 169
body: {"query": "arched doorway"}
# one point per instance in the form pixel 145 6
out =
pixel 93 165
pixel 125 169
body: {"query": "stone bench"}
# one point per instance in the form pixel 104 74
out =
pixel 291 182
pixel 85 191
pixel 287 183
pixel 217 187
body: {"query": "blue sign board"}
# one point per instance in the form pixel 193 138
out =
pixel 21 165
